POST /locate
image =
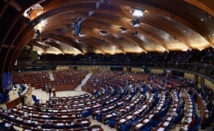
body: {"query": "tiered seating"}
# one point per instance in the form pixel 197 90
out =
pixel 49 116
pixel 124 101
pixel 63 80
pixel 67 79
pixel 35 79
pixel 189 108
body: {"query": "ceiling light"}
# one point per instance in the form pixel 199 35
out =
pixel 113 47
pixel 41 25
pixel 139 50
pixel 137 12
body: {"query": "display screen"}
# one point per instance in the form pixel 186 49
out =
pixel 7 81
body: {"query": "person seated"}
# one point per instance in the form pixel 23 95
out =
pixel 5 111
pixel 48 124
pixel 157 117
pixel 50 104
pixel 26 114
pixel 38 109
pixel 53 117
pixel 173 114
pixel 1 110
pixel 9 127
pixel 2 124
pixel 194 121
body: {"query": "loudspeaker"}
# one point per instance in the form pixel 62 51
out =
pixel 77 28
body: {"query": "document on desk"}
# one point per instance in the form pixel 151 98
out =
pixel 55 110
pixel 146 120
pixel 28 121
pixel 109 116
pixel 150 116
pixel 129 117
pixel 169 118
pixel 136 112
pixel 35 114
pixel 139 125
pixel 64 116
pixel 45 116
pixel 95 129
pixel 122 120
pixel 97 111
pixel 166 123
pixel 158 108
pixel 160 129
pixel 144 106
pixel 111 107
pixel 12 116
pixel 84 122
pixel 60 124
pixel 104 109
pixel 20 111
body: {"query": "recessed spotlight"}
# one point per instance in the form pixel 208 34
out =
pixel 202 19
pixel 103 33
pixel 81 35
pixel 135 23
pixel 122 29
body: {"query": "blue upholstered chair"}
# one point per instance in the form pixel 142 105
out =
pixel 111 122
pixel 35 99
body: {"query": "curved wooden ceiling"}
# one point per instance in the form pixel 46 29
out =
pixel 166 25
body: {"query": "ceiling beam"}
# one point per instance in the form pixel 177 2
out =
pixel 93 41
pixel 14 4
pixel 120 21
pixel 179 15
pixel 34 43
pixel 202 6
pixel 54 44
pixel 69 41
pixel 93 32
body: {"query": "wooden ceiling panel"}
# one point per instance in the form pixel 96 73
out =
pixel 164 25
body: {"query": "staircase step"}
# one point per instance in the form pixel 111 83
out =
pixel 51 76
pixel 79 87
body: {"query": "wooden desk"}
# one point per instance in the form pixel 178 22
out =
pixel 13 103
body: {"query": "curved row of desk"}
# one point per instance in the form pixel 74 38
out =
pixel 134 102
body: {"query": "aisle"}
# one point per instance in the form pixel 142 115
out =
pixel 79 87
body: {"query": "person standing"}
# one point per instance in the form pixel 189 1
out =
pixel 49 90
